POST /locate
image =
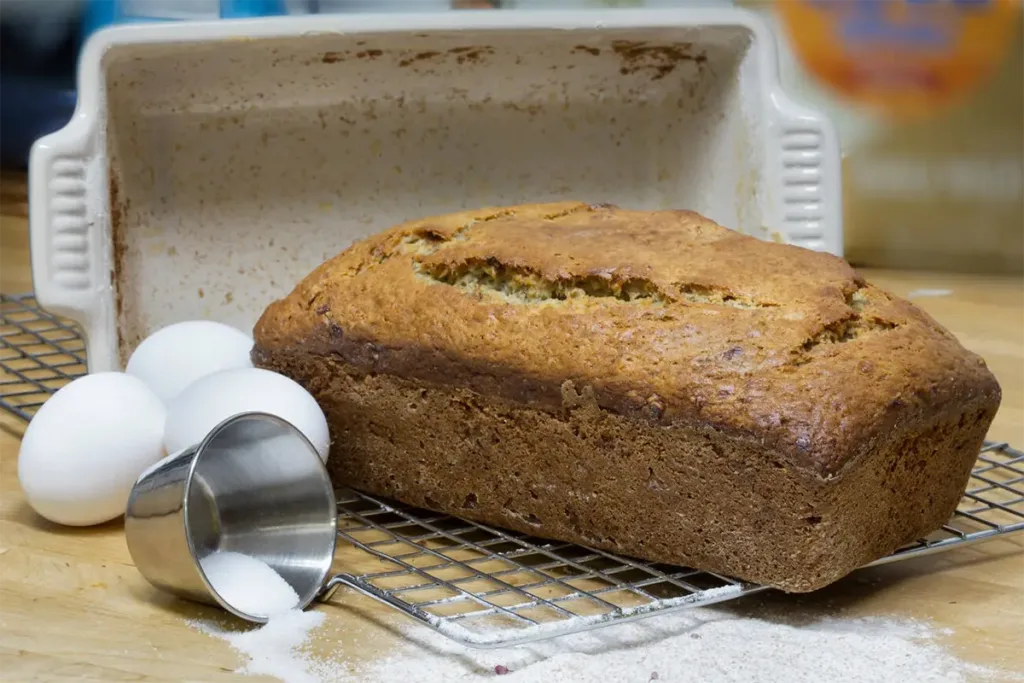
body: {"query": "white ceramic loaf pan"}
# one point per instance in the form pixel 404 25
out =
pixel 210 166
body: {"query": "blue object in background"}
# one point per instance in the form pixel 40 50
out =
pixel 29 109
pixel 100 13
pixel 38 51
pixel 40 41
pixel 39 47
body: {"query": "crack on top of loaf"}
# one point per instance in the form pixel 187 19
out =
pixel 434 239
pixel 589 208
pixel 423 241
pixel 847 329
pixel 427 240
pixel 420 243
pixel 856 300
pixel 719 296
pixel 521 284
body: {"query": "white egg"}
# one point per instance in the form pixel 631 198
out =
pixel 86 446
pixel 173 357
pixel 212 399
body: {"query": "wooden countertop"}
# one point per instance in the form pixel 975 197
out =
pixel 72 606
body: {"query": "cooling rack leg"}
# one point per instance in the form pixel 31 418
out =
pixel 371 591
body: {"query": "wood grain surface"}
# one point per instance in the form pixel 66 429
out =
pixel 72 606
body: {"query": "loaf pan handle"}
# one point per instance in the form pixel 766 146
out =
pixel 67 220
pixel 805 165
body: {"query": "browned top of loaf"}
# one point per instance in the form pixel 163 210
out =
pixel 666 315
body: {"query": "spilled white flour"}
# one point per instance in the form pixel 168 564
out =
pixel 695 646
pixel 273 649
pixel 248 584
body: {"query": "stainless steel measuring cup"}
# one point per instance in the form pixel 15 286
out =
pixel 255 486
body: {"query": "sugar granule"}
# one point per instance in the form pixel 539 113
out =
pixel 248 584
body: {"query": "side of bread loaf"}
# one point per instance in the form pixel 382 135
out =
pixel 648 383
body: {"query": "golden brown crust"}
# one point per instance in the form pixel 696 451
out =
pixel 667 317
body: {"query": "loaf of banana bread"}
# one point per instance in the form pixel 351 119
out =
pixel 644 382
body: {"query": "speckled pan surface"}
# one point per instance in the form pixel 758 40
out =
pixel 211 166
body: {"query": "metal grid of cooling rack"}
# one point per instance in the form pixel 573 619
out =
pixel 486 587
pixel 39 353
pixel 483 586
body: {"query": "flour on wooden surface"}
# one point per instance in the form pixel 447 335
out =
pixel 696 646
pixel 273 649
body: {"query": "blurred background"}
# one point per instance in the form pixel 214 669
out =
pixel 927 96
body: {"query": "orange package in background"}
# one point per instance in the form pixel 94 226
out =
pixel 928 101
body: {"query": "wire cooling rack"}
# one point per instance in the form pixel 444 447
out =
pixel 39 353
pixel 486 587
pixel 482 586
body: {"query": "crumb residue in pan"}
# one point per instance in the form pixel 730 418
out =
pixel 118 208
pixel 420 56
pixel 471 53
pixel 462 55
pixel 659 59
